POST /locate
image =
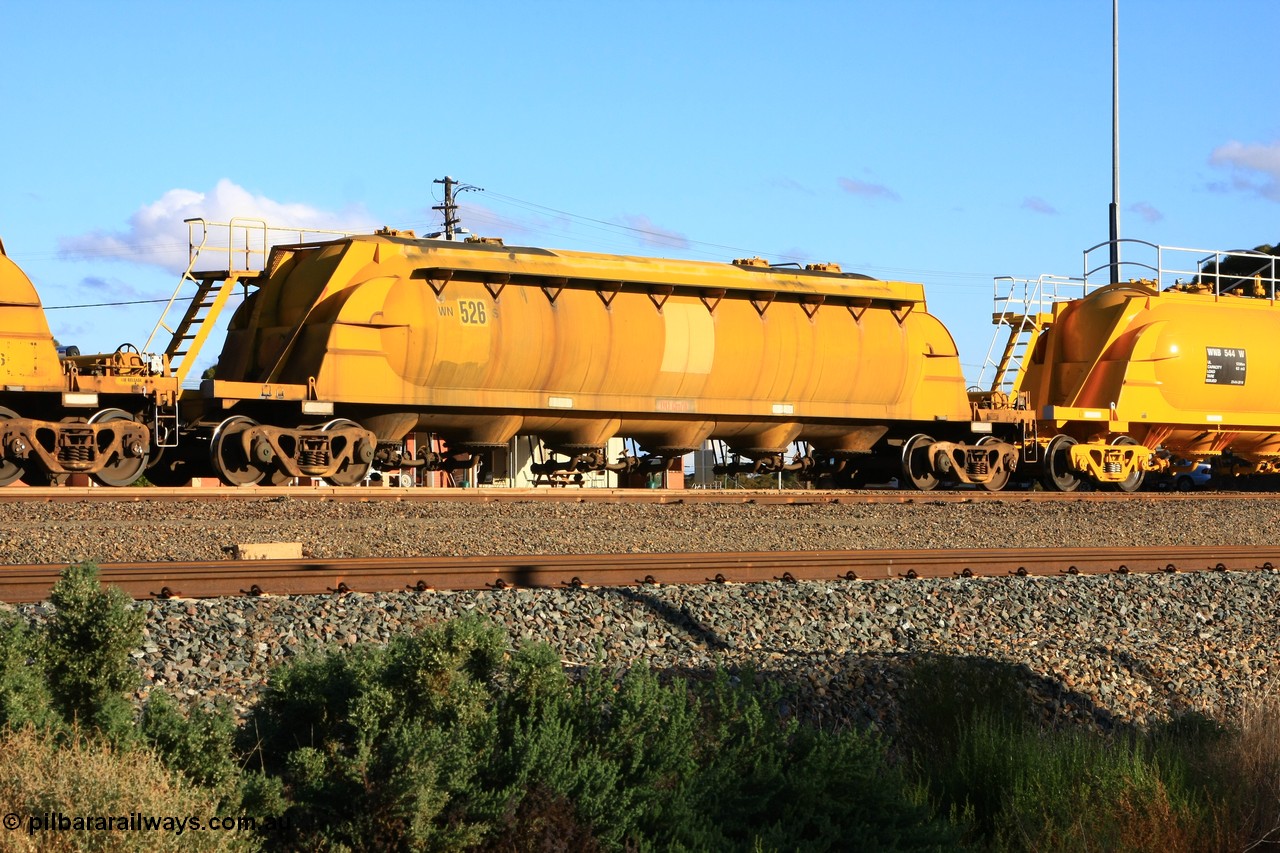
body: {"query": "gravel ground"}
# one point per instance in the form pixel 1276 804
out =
pixel 1090 649
pixel 206 530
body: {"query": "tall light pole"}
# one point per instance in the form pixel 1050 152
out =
pixel 1115 140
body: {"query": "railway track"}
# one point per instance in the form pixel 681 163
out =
pixel 64 494
pixel 222 578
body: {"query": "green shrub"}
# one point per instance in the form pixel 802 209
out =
pixel 199 744
pixel 24 695
pixel 615 750
pixel 765 783
pixel 443 741
pixel 374 744
pixel 85 654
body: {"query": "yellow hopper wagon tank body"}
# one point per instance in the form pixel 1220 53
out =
pixel 1173 364
pixel 344 347
pixel 62 413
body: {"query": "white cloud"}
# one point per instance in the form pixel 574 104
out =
pixel 115 289
pixel 791 185
pixel 650 234
pixel 1035 204
pixel 1255 167
pixel 157 234
pixel 1146 211
pixel 853 186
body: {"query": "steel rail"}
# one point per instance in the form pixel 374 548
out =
pixel 60 494
pixel 222 578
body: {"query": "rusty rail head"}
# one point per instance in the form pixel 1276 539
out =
pixel 221 578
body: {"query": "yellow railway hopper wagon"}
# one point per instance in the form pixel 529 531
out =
pixel 1173 363
pixel 101 415
pixel 344 347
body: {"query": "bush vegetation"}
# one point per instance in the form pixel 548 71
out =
pixel 985 757
pixel 451 740
pixel 44 774
pixel 443 741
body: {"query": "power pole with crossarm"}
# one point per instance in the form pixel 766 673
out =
pixel 450 208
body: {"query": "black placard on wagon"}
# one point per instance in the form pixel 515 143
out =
pixel 1224 366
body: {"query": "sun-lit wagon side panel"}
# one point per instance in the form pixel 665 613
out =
pixel 1194 368
pixel 481 343
pixel 1183 371
pixel 478 343
pixel 28 358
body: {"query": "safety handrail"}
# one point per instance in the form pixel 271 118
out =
pixel 246 238
pixel 1020 305
pixel 1182 267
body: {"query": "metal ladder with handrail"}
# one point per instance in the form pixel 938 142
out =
pixel 1023 309
pixel 247 244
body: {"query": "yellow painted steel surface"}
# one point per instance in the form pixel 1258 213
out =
pixel 485 342
pixel 28 358
pixel 1189 371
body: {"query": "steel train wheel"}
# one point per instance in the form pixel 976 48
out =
pixel 916 468
pixel 352 472
pixel 227 455
pixel 1134 481
pixel 999 481
pixel 1058 475
pixel 10 470
pixel 120 470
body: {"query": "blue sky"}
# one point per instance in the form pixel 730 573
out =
pixel 941 142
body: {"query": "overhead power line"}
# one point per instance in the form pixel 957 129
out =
pixel 631 229
pixel 104 304
pixel 599 227
pixel 687 243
